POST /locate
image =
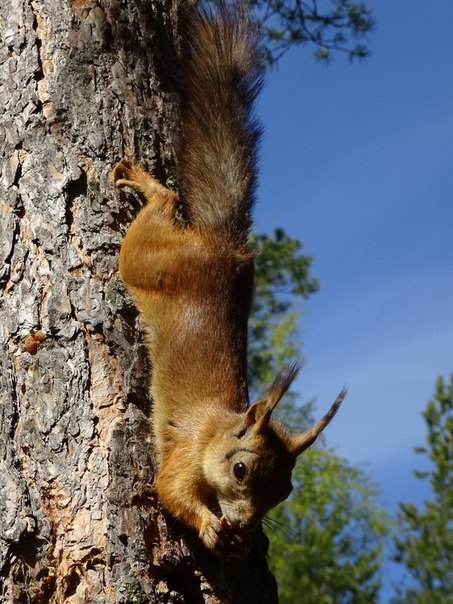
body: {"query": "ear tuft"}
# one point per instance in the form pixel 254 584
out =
pixel 300 442
pixel 282 382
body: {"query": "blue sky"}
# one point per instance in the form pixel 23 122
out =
pixel 357 162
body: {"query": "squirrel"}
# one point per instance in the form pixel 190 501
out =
pixel 221 463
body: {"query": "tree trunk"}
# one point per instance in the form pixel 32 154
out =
pixel 79 519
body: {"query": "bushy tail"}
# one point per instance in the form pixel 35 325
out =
pixel 221 77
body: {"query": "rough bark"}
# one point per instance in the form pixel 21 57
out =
pixel 79 520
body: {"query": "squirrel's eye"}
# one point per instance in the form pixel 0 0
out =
pixel 239 470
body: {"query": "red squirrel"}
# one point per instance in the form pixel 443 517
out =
pixel 187 264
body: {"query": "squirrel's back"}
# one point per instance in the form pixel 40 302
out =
pixel 221 74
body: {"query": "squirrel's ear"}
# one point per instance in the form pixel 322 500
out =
pixel 257 413
pixel 260 412
pixel 299 442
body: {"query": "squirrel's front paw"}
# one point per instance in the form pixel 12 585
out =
pixel 223 540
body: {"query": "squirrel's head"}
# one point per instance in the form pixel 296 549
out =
pixel 249 465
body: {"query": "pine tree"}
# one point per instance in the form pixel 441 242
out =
pixel 424 544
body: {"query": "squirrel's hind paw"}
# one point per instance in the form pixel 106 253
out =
pixel 130 173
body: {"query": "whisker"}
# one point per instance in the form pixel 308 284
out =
pixel 277 527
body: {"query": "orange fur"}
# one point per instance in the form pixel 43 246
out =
pixel 221 464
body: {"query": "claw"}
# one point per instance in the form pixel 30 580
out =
pixel 226 524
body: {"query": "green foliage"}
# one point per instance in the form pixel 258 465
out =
pixel 336 28
pixel 425 541
pixel 328 547
pixel 325 540
pixel 282 277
